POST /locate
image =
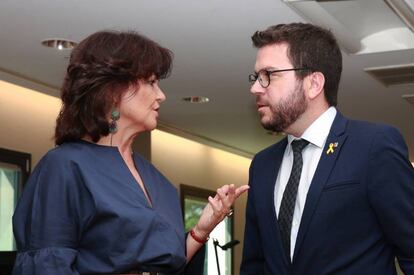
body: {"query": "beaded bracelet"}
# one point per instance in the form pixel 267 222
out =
pixel 198 239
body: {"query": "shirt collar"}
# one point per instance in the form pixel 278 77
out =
pixel 318 131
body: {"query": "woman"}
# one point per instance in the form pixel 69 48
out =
pixel 92 206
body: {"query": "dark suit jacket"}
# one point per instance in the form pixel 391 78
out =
pixel 359 211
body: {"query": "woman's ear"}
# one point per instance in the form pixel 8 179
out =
pixel 315 85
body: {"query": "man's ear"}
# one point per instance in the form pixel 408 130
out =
pixel 315 83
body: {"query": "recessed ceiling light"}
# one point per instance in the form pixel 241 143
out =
pixel 196 99
pixel 60 44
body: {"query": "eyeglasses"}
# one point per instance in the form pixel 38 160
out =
pixel 264 76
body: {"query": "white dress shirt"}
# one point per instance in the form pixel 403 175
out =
pixel 316 134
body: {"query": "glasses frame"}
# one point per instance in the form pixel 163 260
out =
pixel 254 77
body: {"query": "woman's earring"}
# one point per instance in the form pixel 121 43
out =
pixel 115 115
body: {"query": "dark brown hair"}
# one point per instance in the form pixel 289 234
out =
pixel 101 68
pixel 311 47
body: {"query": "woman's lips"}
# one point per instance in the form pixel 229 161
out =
pixel 155 110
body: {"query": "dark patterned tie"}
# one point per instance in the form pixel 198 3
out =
pixel 287 206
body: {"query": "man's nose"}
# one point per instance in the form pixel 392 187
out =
pixel 256 88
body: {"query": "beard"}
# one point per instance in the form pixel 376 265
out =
pixel 287 111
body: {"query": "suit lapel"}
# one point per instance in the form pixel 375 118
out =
pixel 275 161
pixel 334 142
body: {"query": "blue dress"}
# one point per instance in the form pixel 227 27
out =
pixel 83 212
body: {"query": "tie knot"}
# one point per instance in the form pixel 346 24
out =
pixel 298 145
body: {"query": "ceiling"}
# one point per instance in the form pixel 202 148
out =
pixel 213 56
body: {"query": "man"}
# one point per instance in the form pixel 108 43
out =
pixel 336 196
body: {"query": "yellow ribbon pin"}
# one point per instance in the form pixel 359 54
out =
pixel 331 148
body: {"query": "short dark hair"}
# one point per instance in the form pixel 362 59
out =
pixel 309 46
pixel 101 68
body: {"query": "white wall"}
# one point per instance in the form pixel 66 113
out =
pixel 184 161
pixel 27 120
